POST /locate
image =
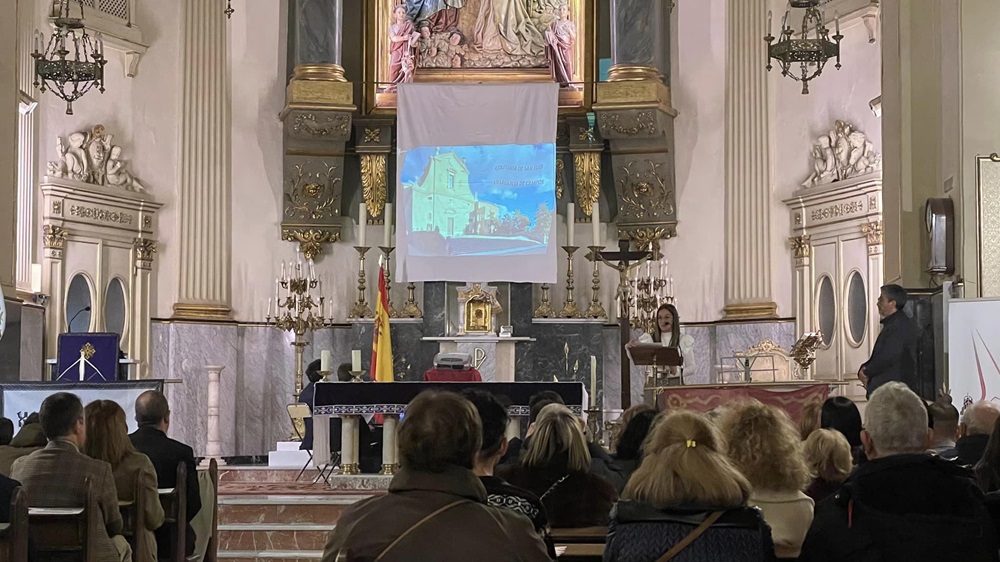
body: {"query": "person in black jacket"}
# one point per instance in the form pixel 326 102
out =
pixel 894 357
pixel 153 414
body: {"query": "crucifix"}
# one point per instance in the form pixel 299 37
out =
pixel 624 261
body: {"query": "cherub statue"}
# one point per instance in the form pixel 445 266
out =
pixel 98 152
pixel 77 165
pixel 57 168
pixel 824 163
pixel 118 175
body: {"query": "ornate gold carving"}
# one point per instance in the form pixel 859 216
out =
pixel 643 235
pixel 873 202
pixel 195 311
pixel 54 237
pixel 838 210
pixel 560 181
pixel 644 191
pixel 310 240
pixel 321 72
pixel 144 249
pixel 102 215
pixel 327 125
pixel 627 72
pixel 57 207
pixel 87 351
pixel 312 195
pixel 372 135
pixel 374 184
pixel 873 232
pixel 629 124
pixel 587 177
pixel 801 246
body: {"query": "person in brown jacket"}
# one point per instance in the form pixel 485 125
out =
pixel 29 439
pixel 436 508
pixel 108 441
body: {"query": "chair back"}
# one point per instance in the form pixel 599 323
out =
pixel 212 553
pixel 298 413
pixel 174 502
pixel 134 518
pixel 14 535
pixel 62 531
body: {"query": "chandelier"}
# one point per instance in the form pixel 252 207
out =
pixel 72 63
pixel 811 49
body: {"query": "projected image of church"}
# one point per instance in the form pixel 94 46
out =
pixel 481 200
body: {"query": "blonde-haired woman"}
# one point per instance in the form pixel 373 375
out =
pixel 766 447
pixel 107 440
pixel 828 455
pixel 556 467
pixel 684 482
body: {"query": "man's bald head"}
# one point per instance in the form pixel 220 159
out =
pixel 151 409
pixel 978 419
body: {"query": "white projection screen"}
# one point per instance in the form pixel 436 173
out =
pixel 475 176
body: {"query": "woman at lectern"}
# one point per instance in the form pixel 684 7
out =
pixel 667 332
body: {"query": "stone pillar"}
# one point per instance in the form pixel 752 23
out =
pixel 748 162
pixel 54 242
pixel 140 334
pixel 204 290
pixel 8 152
pixel 349 444
pixel 213 448
pixel 639 47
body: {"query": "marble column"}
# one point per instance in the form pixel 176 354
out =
pixel 140 339
pixel 639 46
pixel 8 152
pixel 747 164
pixel 203 201
pixel 390 447
pixel 213 449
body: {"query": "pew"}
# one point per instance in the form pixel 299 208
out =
pixel 134 518
pixel 65 531
pixel 580 552
pixel 174 502
pixel 581 535
pixel 14 535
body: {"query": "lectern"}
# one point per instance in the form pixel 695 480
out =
pixel 656 355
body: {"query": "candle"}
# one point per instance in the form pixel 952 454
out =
pixel 269 304
pixel 593 381
pixel 362 222
pixel 596 225
pixel 282 270
pixel 570 222
pixel 355 360
pixel 387 225
pixel 312 270
pixel 324 360
pixel 768 30
pixel 277 298
pixel 836 20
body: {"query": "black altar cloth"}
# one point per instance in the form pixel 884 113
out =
pixel 341 398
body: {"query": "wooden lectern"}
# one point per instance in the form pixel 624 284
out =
pixel 656 355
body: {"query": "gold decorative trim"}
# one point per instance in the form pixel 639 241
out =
pixel 323 72
pixel 389 469
pixel 801 246
pixel 54 237
pixel 587 177
pixel 629 124
pixel 372 135
pixel 629 72
pixel 308 125
pixel 350 469
pixel 634 94
pixel 873 232
pixel 189 311
pixel 374 183
pixel 144 249
pixel 560 181
pixel 310 240
pixel 746 311
pixel 644 235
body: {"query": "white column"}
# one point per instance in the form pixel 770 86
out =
pixel 213 450
pixel 140 340
pixel 876 275
pixel 54 241
pixel 204 200
pixel 8 151
pixel 349 445
pixel 390 448
pixel 747 162
pixel 802 291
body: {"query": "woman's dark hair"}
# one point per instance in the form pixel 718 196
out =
pixel 634 435
pixel 842 414
pixel 675 332
pixel 988 468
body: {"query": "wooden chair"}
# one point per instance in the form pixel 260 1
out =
pixel 134 519
pixel 582 535
pixel 174 502
pixel 580 552
pixel 14 535
pixel 60 531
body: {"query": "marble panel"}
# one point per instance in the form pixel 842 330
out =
pixel 411 356
pixel 562 352
pixel 435 311
pixel 317 31
pixel 743 335
pixel 522 307
pixel 698 365
pixel 286 513
pixel 638 26
pixel 265 384
pixel 485 353
pixel 611 338
pixel 32 342
pixel 270 540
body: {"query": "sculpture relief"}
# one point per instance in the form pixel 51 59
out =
pixel 90 157
pixel 559 40
pixel 841 154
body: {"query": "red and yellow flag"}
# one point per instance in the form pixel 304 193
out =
pixel 381 367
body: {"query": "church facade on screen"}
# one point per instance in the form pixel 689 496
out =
pixel 443 202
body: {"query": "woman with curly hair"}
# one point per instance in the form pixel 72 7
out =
pixel 767 448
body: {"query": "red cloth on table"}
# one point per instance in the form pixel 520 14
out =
pixel 453 375
pixel 790 398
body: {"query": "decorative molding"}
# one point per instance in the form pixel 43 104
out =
pixel 643 190
pixel 101 215
pixel 801 246
pixel 310 240
pixel 629 124
pixel 312 195
pixel 587 178
pixel 643 235
pixel 202 312
pixel 372 135
pixel 560 179
pixel 841 154
pixel 746 311
pixel 144 250
pixel 873 232
pixel 327 126
pixel 374 182
pixel 89 156
pixel 54 237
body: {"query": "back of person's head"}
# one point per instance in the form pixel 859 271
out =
pixel 630 445
pixel 107 432
pixel 59 414
pixel 766 446
pixel 541 400
pixel 828 455
pixel 558 442
pixel 842 414
pixel 32 418
pixel 685 464
pixel 895 293
pixel 6 431
pixel 312 371
pixel 895 422
pixel 988 468
pixel 810 421
pixel 441 430
pixel 344 372
pixel 494 418
pixel 978 419
pixel 151 408
pixel 625 419
pixel 943 418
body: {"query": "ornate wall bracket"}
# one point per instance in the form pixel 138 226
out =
pixel 586 145
pixel 873 232
pixel 801 249
pixel 374 143
pixel 144 250
pixel 310 240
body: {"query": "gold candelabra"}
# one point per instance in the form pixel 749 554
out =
pixel 648 293
pixel 361 308
pixel 410 308
pixel 596 309
pixel 295 312
pixel 544 309
pixel 386 250
pixel 570 308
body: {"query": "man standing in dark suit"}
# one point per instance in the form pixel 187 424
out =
pixel 894 357
pixel 153 414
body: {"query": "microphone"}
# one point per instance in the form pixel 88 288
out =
pixel 79 312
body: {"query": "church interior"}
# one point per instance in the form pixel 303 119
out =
pixel 291 216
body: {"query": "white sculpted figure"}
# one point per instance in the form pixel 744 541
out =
pixel 841 154
pixel 91 158
pixel 118 175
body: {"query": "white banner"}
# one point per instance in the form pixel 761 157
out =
pixel 21 399
pixel 973 351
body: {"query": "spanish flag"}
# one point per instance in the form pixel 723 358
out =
pixel 381 367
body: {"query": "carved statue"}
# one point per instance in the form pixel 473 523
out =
pixel 841 154
pixel 77 165
pixel 402 38
pixel 117 175
pixel 559 40
pixel 98 150
pixel 91 158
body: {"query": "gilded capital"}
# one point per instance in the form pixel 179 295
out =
pixel 873 232
pixel 144 250
pixel 310 240
pixel 54 237
pixel 801 246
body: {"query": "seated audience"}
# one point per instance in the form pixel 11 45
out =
pixel 56 475
pixel 828 455
pixel 987 470
pixel 902 504
pixel 623 421
pixel 107 440
pixel 842 414
pixel 153 414
pixel 28 440
pixel 535 405
pixel 557 468
pixel 628 453
pixel 684 481
pixel 974 432
pixel 436 508
pixel 767 448
pixel 6 431
pixel 498 492
pixel 944 428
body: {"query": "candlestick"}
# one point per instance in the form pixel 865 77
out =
pixel 387 225
pixel 362 223
pixel 386 250
pixel 355 360
pixel 570 223
pixel 596 309
pixel 570 309
pixel 361 309
pixel 593 381
pixel 410 308
pixel 544 309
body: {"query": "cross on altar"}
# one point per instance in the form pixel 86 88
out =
pixel 624 260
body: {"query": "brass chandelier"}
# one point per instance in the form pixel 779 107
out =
pixel 73 62
pixel 810 49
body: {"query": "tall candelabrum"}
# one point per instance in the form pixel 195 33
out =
pixel 570 308
pixel 361 308
pixel 649 290
pixel 596 309
pixel 301 309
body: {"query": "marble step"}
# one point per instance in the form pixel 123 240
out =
pixel 261 474
pixel 271 556
pixel 273 537
pixel 322 509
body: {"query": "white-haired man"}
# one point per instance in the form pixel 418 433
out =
pixel 902 504
pixel 974 431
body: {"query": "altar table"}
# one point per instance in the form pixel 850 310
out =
pixel 350 401
pixel 791 396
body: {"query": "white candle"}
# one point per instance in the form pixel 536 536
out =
pixel 277 298
pixel 570 222
pixel 324 360
pixel 355 360
pixel 269 301
pixel 768 30
pixel 596 225
pixel 387 225
pixel 362 222
pixel 593 381
pixel 836 18
pixel 282 270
